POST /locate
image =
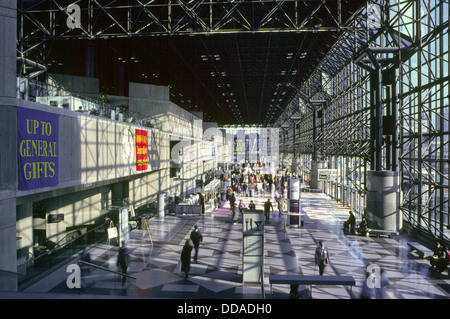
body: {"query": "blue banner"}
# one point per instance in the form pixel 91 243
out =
pixel 37 138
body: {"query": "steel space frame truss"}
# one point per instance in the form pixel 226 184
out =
pixel 322 108
pixel 43 20
pixel 411 49
pixel 423 83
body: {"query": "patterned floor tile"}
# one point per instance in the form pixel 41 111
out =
pixel 288 250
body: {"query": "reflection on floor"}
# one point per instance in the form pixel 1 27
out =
pixel 218 273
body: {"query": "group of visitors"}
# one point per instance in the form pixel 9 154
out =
pixel 260 183
pixel 440 258
pixel 236 207
pixel 350 223
pixel 263 182
pixel 193 243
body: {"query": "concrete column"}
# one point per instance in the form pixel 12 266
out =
pixel 382 200
pixel 161 204
pixel 314 181
pixel 294 202
pixel 294 165
pixel 8 145
pixel 8 248
pixel 8 47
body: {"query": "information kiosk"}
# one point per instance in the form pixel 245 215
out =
pixel 294 202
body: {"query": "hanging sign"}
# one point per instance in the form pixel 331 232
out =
pixel 326 174
pixel 37 138
pixel 141 150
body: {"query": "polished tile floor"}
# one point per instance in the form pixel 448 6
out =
pixel 218 273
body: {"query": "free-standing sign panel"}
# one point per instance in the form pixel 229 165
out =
pixel 37 138
pixel 124 229
pixel 253 245
pixel 294 188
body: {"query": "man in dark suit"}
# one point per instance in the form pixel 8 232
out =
pixel 322 257
pixel 196 237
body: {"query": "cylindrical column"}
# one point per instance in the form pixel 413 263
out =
pixel 382 200
pixel 314 182
pixel 161 204
pixel 294 202
pixel 294 165
pixel 8 48
pixel 9 247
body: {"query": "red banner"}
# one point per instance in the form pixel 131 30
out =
pixel 141 150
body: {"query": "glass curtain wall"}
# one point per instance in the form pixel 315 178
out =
pixel 417 97
pixel 423 83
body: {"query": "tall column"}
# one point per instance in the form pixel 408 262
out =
pixel 314 182
pixel 294 165
pixel 294 202
pixel 383 200
pixel 161 204
pixel 8 47
pixel 8 145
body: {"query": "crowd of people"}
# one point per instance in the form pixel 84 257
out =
pixel 240 185
pixel 256 182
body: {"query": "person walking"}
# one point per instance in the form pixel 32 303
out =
pixel 244 189
pixel 235 214
pixel 241 206
pixel 229 193
pixel 322 257
pixel 232 202
pixel 123 260
pixel 201 201
pixel 196 237
pixel 185 257
pixel 85 269
pixel 381 292
pixel 267 207
pixel 282 205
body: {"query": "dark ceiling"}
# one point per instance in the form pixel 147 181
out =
pixel 233 78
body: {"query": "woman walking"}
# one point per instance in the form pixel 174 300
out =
pixel 186 257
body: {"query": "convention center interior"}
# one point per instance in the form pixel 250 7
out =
pixel 224 150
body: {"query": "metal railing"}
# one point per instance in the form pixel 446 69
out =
pixel 33 90
pixel 105 269
pixel 38 264
pixel 263 294
pixel 116 286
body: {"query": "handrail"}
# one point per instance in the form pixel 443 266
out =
pixel 105 269
pixel 59 247
pixel 11 272
pixel 262 281
pixel 103 109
